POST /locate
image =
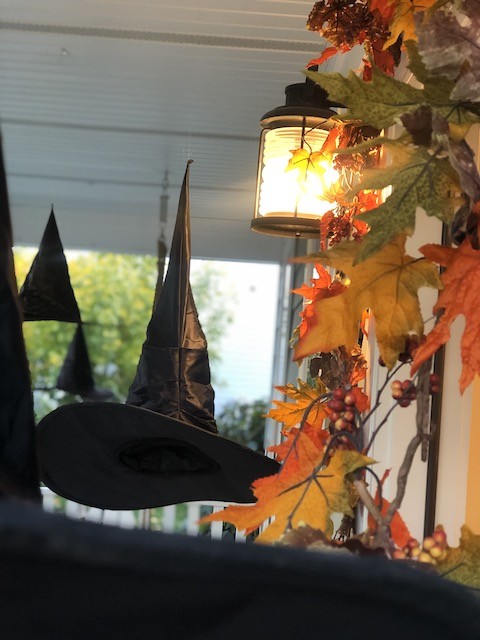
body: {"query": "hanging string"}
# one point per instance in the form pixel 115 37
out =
pixel 161 244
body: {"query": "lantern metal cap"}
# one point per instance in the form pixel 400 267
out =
pixel 305 99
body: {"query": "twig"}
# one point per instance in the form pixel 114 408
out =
pixel 368 501
pixel 382 423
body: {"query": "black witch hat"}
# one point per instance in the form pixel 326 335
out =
pixel 76 373
pixel 47 293
pixel 162 447
pixel 18 465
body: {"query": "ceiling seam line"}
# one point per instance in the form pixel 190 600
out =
pixel 234 42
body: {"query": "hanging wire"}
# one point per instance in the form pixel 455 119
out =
pixel 161 244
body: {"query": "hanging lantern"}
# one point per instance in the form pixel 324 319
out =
pixel 292 184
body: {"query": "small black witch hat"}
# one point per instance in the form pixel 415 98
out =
pixel 18 464
pixel 76 375
pixel 162 447
pixel 47 293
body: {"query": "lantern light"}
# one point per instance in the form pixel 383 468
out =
pixel 291 196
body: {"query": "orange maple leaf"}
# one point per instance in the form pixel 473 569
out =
pixel 304 491
pixel 398 529
pixel 293 413
pixel 317 435
pixel 322 287
pixel 460 296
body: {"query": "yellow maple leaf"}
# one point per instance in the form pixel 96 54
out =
pixel 302 493
pixel 292 413
pixel 387 283
pixel 403 21
pixel 300 160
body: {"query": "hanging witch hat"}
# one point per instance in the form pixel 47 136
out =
pixel 162 447
pixel 47 293
pixel 76 373
pixel 18 464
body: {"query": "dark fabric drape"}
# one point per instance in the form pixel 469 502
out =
pixel 18 465
pixel 62 580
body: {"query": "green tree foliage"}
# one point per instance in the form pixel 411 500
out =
pixel 244 422
pixel 115 296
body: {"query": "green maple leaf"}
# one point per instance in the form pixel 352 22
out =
pixel 419 179
pixel 380 102
pixel 462 563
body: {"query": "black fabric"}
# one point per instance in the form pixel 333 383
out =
pixel 167 457
pixel 173 374
pixel 175 382
pixel 47 293
pixel 82 448
pixel 62 580
pixel 84 460
pixel 18 465
pixel 76 373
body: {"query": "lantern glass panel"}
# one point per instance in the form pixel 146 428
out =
pixel 298 191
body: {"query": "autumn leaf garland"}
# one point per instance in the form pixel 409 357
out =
pixel 305 491
pixel 429 165
pixel 387 283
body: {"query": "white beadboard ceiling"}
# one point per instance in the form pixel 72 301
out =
pixel 98 98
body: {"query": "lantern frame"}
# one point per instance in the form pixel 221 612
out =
pixel 306 107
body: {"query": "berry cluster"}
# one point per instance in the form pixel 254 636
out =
pixel 404 392
pixel 341 227
pixel 433 549
pixel 342 406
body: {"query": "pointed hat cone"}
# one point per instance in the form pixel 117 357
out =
pixel 173 374
pixel 161 447
pixel 76 373
pixel 47 293
pixel 18 464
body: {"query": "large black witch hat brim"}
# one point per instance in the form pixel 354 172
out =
pixel 162 447
pixel 133 458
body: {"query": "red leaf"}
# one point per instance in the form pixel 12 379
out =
pixel 398 529
pixel 362 401
pixel 327 53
